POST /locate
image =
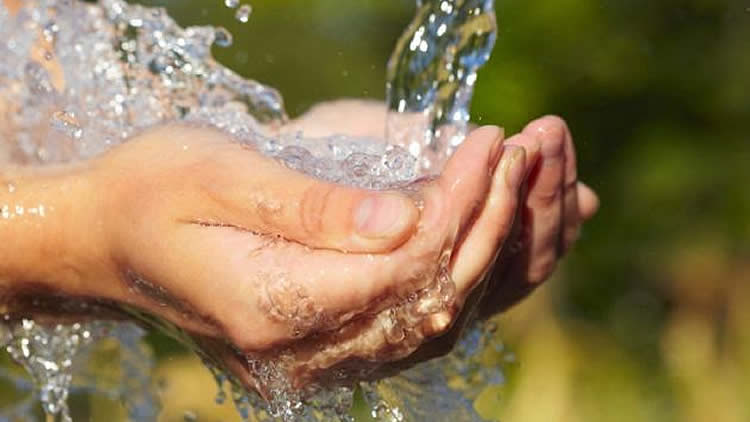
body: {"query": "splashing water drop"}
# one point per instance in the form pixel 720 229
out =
pixel 243 13
pixel 222 37
pixel 50 31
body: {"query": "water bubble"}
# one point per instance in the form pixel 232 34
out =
pixel 294 157
pixel 231 3
pixel 360 166
pixel 243 13
pixel 399 163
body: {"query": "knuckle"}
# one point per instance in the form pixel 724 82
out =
pixel 547 198
pixel 571 184
pixel 236 328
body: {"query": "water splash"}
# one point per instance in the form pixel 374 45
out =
pixel 125 68
pixel 52 354
pixel 431 77
pixel 243 13
pixel 66 123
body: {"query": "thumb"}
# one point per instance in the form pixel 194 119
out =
pixel 258 194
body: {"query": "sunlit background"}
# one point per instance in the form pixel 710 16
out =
pixel 648 319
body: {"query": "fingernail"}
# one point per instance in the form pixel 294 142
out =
pixel 513 165
pixel 496 153
pixel 382 215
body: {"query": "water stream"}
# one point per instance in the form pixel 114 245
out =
pixel 128 68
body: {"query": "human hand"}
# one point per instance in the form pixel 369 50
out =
pixel 238 274
pixel 216 238
pixel 191 226
pixel 553 207
pixel 265 279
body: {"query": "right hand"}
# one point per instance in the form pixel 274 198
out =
pixel 228 244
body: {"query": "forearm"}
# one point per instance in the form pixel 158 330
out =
pixel 48 230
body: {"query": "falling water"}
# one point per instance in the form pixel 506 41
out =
pixel 431 77
pixel 127 68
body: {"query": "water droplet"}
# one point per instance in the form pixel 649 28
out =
pixel 222 37
pixel 66 122
pixel 190 416
pixel 37 79
pixel 231 3
pixel 243 13
pixel 50 31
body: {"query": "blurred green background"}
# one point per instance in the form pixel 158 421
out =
pixel 649 317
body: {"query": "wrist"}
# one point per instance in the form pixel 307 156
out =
pixel 50 234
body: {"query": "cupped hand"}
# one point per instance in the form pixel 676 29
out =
pixel 257 261
pixel 230 245
pixel 553 206
pixel 210 234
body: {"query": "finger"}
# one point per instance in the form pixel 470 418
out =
pixel 453 201
pixel 545 199
pixel 493 225
pixel 571 213
pixel 494 222
pixel 588 201
pixel 258 194
pixel 466 178
pixel 265 292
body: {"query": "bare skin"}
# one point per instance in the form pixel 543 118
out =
pixel 191 226
pixel 187 224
